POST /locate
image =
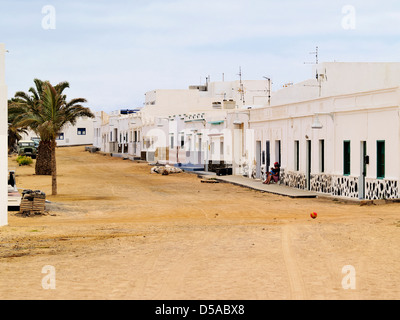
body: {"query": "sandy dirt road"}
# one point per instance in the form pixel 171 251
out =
pixel 115 231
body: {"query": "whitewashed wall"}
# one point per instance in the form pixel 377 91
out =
pixel 70 134
pixel 3 141
pixel 357 114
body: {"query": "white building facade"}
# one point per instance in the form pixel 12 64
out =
pixel 82 133
pixel 3 141
pixel 342 139
pixel 337 133
pixel 169 128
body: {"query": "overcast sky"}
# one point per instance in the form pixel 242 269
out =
pixel 112 52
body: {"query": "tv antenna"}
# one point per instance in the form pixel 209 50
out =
pixel 241 89
pixel 316 52
pixel 268 89
pixel 319 85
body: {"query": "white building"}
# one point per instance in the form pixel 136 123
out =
pixel 191 137
pixel 82 133
pixel 193 131
pixel 338 133
pixel 3 140
pixel 118 132
pixel 161 130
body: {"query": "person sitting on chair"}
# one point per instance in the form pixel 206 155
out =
pixel 273 174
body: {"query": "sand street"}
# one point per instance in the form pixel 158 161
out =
pixel 116 231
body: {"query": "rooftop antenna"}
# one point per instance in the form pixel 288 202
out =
pixel 316 56
pixel 269 89
pixel 317 76
pixel 241 89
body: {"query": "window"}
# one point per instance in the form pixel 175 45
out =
pixel 308 163
pixel 60 136
pixel 172 141
pixel 81 131
pixel 346 158
pixel 297 155
pixel 322 156
pixel 380 153
pixel 182 141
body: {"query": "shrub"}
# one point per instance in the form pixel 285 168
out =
pixel 24 160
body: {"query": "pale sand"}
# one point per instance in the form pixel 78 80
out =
pixel 120 232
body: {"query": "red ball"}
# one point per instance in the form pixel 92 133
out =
pixel 314 215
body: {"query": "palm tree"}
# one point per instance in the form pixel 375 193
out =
pixel 49 114
pixel 29 103
pixel 14 130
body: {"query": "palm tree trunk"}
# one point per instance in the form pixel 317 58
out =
pixel 43 159
pixel 53 168
pixel 12 139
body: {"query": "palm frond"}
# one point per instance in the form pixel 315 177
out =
pixel 61 86
pixel 45 109
pixel 37 91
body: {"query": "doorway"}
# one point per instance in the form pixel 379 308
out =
pixel 200 152
pixel 363 171
pixel 268 160
pixel 258 160
pixel 308 165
